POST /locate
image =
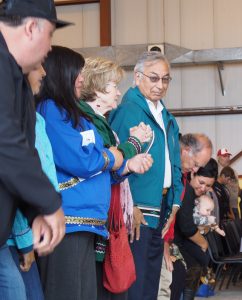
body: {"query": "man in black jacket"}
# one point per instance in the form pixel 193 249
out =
pixel 26 28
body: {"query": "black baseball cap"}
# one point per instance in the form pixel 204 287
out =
pixel 44 9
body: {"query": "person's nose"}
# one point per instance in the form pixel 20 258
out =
pixel 203 188
pixel 160 83
pixel 81 78
pixel 195 169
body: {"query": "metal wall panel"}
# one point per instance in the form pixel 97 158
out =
pixel 197 24
pixel 227 23
pixel 85 32
pixel 131 22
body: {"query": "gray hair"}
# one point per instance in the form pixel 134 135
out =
pixel 150 57
pixel 196 141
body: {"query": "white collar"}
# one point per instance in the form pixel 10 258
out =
pixel 158 109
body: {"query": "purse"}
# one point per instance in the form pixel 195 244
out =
pixel 118 267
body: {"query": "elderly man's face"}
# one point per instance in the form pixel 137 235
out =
pixel 192 162
pixel 151 90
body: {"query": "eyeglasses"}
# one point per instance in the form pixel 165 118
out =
pixel 154 79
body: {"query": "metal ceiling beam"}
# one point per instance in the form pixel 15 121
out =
pixel 127 55
pixel 209 56
pixel 206 111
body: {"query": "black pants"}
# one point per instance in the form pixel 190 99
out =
pixel 188 282
pixel 177 285
pixel 196 253
pixel 69 273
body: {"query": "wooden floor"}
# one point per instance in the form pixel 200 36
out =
pixel 233 293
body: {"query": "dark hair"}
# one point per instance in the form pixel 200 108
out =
pixel 62 66
pixel 228 172
pixel 12 21
pixel 210 170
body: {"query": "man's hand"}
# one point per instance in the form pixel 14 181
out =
pixel 138 219
pixel 48 231
pixel 167 257
pixel 41 236
pixel 56 222
pixel 26 260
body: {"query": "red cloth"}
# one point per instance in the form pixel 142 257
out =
pixel 169 236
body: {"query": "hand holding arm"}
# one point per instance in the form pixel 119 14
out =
pixel 118 158
pixel 142 132
pixel 140 164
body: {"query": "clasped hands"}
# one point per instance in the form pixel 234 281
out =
pixel 142 132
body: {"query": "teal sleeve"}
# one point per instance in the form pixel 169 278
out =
pixel 43 146
pixel 123 118
pixel 21 235
pixel 177 175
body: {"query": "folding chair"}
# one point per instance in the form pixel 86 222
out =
pixel 220 257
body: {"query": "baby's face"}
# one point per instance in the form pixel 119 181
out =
pixel 206 209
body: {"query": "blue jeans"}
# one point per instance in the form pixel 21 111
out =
pixel 31 279
pixel 11 282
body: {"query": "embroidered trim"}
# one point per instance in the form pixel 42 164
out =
pixel 69 184
pixel 84 221
pixel 74 181
pixel 135 143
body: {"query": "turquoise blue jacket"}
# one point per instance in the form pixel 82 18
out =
pixel 21 235
pixel 147 188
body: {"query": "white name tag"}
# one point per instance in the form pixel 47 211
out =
pixel 88 137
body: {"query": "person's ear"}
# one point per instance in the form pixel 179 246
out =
pixel 137 78
pixel 188 151
pixel 29 27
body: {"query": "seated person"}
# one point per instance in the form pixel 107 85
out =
pixel 202 217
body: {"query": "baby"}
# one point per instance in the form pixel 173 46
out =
pixel 204 206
